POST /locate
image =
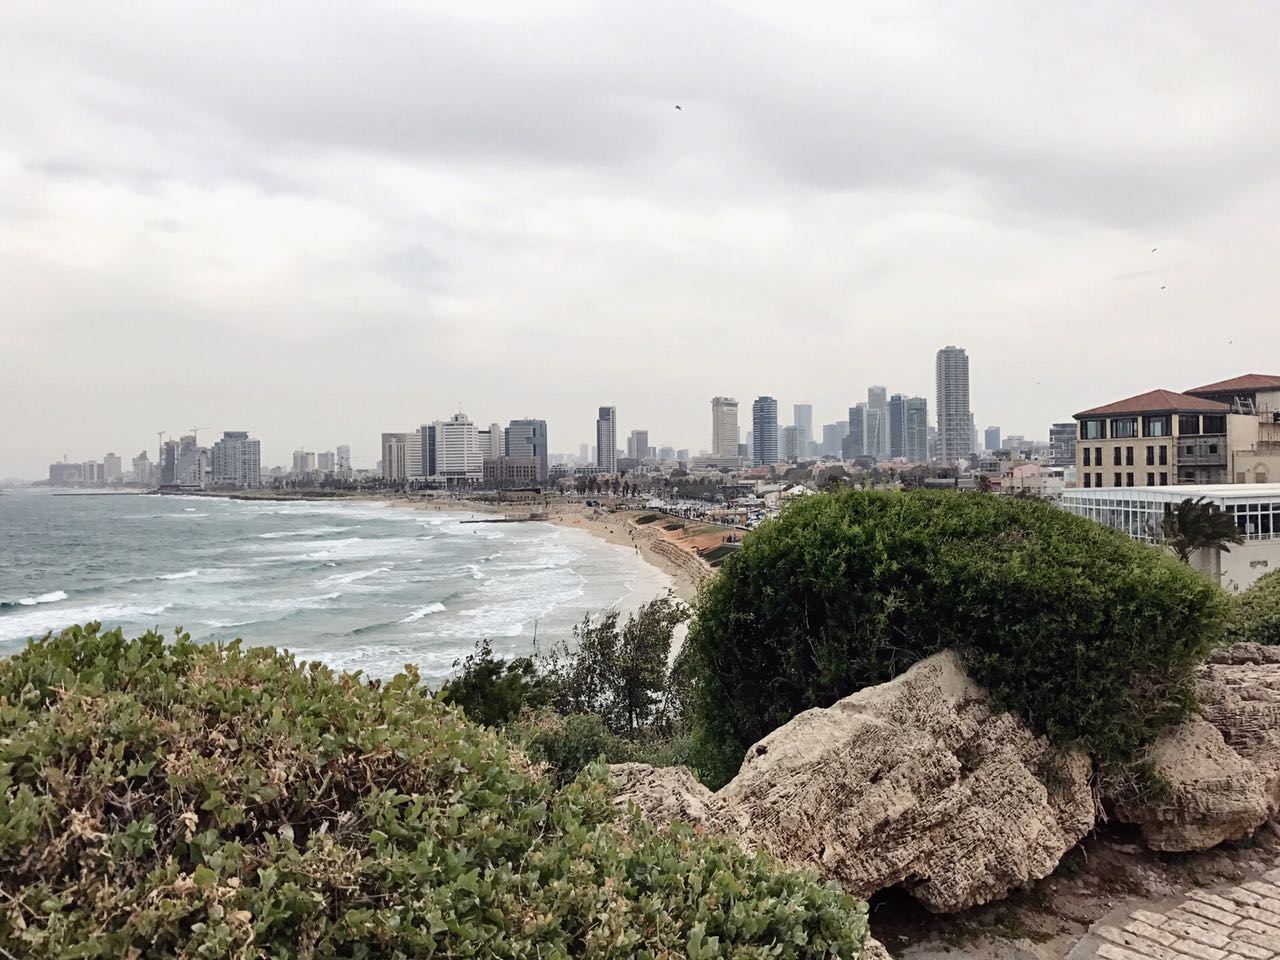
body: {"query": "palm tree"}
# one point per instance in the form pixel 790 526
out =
pixel 1197 524
pixel 983 483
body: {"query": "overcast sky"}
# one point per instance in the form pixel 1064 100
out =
pixel 318 221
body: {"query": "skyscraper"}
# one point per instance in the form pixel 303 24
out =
pixel 793 445
pixel 916 430
pixel 638 445
pixel 764 430
pixel 991 438
pixel 855 439
pixel 528 438
pixel 897 425
pixel 607 440
pixel 802 417
pixel 724 427
pixel 142 471
pixel 344 460
pixel 458 453
pixel 395 459
pixel 878 405
pixel 111 468
pixel 955 419
pixel 236 460
pixel 833 435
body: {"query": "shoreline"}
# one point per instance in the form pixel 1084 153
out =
pixel 685 569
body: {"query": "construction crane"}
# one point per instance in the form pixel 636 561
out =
pixel 195 434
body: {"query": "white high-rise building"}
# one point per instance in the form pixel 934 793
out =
pixel 326 462
pixel 304 461
pixel 955 419
pixel 111 468
pixel 638 445
pixel 458 452
pixel 491 443
pixel 607 440
pixel 344 460
pixel 793 445
pixel 916 447
pixel 236 460
pixel 764 431
pixel 724 427
pixel 142 469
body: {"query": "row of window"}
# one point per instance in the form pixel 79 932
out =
pixel 1125 479
pixel 1158 425
pixel 1152 457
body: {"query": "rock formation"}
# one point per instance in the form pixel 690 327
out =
pixel 1222 767
pixel 917 783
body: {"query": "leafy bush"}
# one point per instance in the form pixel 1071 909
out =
pixel 648 518
pixel 492 691
pixel 161 800
pixel 674 525
pixel 1255 613
pixel 1087 634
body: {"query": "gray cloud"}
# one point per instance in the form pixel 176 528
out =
pixel 320 221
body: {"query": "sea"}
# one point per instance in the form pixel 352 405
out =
pixel 359 585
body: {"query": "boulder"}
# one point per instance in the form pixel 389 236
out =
pixel 1223 766
pixel 918 783
pixel 1214 794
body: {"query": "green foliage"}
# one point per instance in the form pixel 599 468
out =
pixel 648 518
pixel 1088 635
pixel 1197 524
pixel 672 526
pixel 162 800
pixel 493 691
pixel 620 675
pixel 1255 613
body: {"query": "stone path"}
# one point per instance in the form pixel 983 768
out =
pixel 1231 923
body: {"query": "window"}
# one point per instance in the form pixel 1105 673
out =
pixel 1123 427
pixel 1164 456
pixel 1088 477
pixel 1097 479
pixel 1093 429
pixel 1151 456
pixel 1188 424
pixel 1155 426
pixel 1116 458
pixel 1128 456
pixel 1097 456
pixel 1151 479
pixel 1086 460
pixel 1215 423
pixel 1213 448
pixel 1164 479
pixel 1128 479
pixel 1117 483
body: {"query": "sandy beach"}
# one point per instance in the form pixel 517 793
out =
pixel 685 568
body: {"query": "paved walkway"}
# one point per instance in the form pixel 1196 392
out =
pixel 1230 923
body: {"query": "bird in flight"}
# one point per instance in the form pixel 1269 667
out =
pixel 1162 287
pixel 1153 249
pixel 678 107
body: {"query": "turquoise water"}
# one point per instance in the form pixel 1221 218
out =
pixel 358 585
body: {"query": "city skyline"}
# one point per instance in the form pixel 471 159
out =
pixel 299 252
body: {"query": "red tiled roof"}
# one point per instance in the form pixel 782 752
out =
pixel 1157 401
pixel 1250 381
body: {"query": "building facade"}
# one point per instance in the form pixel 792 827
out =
pixel 1138 512
pixel 1062 444
pixel 236 460
pixel 395 455
pixel 528 438
pixel 991 439
pixel 1162 438
pixel 877 423
pixel 916 430
pixel 724 427
pixel 505 472
pixel 638 445
pixel 855 438
pixel 955 419
pixel 764 429
pixel 793 445
pixel 607 440
pixel 897 411
pixel 802 417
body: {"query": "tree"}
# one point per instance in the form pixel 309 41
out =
pixel 492 691
pixel 983 483
pixel 1197 525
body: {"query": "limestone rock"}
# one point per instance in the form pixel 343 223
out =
pixel 664 794
pixel 917 783
pixel 1223 766
pixel 1215 794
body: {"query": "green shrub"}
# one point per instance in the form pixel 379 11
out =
pixel 1255 613
pixel 648 518
pixel 1087 634
pixel 162 800
pixel 672 526
pixel 492 691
